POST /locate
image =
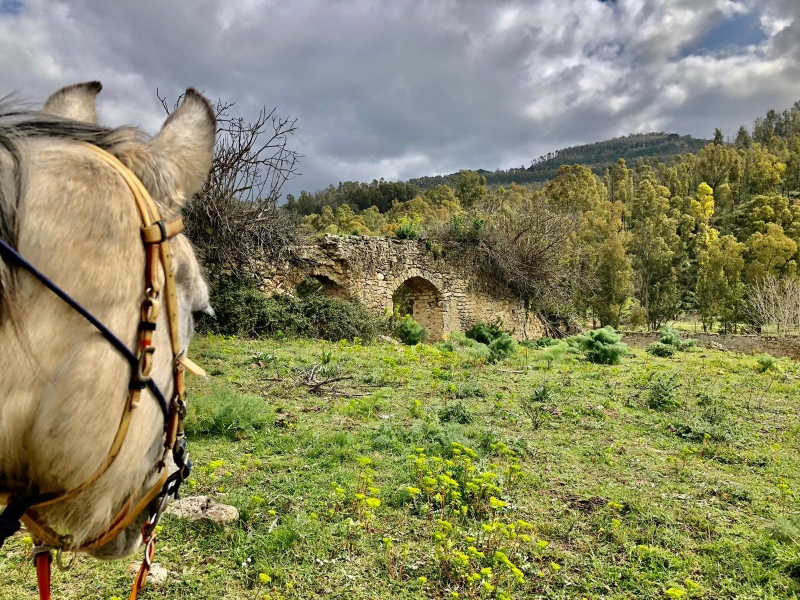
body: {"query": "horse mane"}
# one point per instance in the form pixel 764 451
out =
pixel 18 125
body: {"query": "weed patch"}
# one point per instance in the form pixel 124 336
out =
pixel 457 413
pixel 662 393
pixel 227 413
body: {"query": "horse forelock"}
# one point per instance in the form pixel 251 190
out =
pixel 10 184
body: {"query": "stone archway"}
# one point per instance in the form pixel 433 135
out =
pixel 422 300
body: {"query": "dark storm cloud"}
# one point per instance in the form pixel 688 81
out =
pixel 401 89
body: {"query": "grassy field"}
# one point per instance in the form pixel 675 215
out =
pixel 386 471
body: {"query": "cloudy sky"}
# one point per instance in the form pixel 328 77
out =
pixel 399 89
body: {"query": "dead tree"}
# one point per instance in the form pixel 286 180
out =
pixel 234 220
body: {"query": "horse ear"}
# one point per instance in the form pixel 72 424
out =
pixel 184 148
pixel 75 102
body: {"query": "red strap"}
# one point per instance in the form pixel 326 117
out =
pixel 43 562
pixel 144 569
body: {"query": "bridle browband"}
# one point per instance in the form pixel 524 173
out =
pixel 155 236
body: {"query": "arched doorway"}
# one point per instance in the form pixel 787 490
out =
pixel 422 300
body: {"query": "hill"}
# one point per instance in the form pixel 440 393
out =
pixel 598 156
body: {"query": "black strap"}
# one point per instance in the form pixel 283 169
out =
pixel 9 518
pixel 112 339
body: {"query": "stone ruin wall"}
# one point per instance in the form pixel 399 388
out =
pixel 785 347
pixel 447 295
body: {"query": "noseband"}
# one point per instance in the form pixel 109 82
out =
pixel 155 235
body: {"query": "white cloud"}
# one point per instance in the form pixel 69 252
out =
pixel 406 88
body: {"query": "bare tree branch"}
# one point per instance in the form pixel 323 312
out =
pixel 234 220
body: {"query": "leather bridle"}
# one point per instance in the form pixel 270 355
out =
pixel 155 235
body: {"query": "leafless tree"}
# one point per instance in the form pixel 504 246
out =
pixel 235 220
pixel 528 245
pixel 774 301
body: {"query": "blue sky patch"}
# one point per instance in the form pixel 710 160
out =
pixel 733 34
pixel 10 7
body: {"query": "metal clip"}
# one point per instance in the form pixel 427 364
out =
pixel 145 365
pixel 43 549
pixel 60 561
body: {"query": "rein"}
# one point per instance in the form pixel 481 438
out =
pixel 155 236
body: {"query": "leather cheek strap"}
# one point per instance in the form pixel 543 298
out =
pixel 161 231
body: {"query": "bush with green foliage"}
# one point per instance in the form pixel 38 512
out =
pixel 334 319
pixel 408 228
pixel 502 347
pixel 672 337
pixel 486 333
pixel 455 412
pixel 661 349
pixel 542 342
pixel 766 362
pixel 537 406
pixel 468 389
pixel 457 340
pixel 410 332
pixel 554 352
pixel 661 393
pixel 242 310
pixel 637 318
pixel 601 346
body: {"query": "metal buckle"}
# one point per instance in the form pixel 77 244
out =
pixel 43 549
pixel 145 365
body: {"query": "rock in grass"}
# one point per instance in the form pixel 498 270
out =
pixel 157 575
pixel 196 508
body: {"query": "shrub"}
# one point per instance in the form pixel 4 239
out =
pixel 410 332
pixel 333 319
pixel 661 349
pixel 698 430
pixel 766 362
pixel 601 346
pixel 245 311
pixel 542 342
pixel 502 347
pixel 672 337
pixel 455 412
pixel 457 340
pixel 536 406
pixel 469 389
pixel 637 317
pixel 408 229
pixel 227 414
pixel 661 395
pixel 553 353
pixel 485 333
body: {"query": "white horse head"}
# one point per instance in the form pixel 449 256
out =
pixel 62 386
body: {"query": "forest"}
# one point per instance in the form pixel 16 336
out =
pixel 713 233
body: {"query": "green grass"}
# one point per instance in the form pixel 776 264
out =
pixel 337 484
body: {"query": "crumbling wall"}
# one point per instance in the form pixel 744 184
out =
pixel 788 346
pixel 448 296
